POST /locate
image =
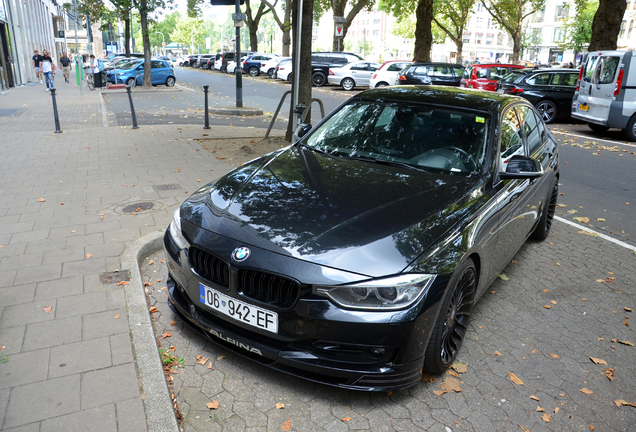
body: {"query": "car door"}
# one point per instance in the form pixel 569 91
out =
pixel 156 72
pixel 441 75
pixel 516 205
pixel 562 88
pixel 597 85
pixel 361 73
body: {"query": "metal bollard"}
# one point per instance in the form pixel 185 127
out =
pixel 207 117
pixel 132 108
pixel 57 118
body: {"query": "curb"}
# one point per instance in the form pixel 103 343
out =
pixel 154 391
pixel 244 111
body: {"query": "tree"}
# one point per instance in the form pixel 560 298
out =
pixel 510 15
pixel 284 24
pixel 578 30
pixel 607 24
pixel 254 20
pixel 338 8
pixel 189 31
pixel 402 10
pixel 452 16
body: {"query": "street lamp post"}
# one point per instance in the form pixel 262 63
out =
pixel 163 42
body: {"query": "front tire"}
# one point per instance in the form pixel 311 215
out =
pixel 348 84
pixel 132 82
pixel 318 79
pixel 452 321
pixel 254 71
pixel 542 230
pixel 271 72
pixel 630 131
pixel 170 81
pixel 548 110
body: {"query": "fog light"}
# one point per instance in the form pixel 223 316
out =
pixel 377 351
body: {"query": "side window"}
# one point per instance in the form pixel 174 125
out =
pixel 497 73
pixel 590 68
pixel 359 66
pixel 420 70
pixel 458 71
pixel 511 141
pixel 531 129
pixel 539 79
pixel 156 64
pixel 395 67
pixel 482 73
pixel 565 79
pixel 607 69
pixel 467 73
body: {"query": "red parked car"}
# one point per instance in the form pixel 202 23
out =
pixel 485 76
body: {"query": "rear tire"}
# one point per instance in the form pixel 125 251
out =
pixel 318 79
pixel 452 322
pixel 381 84
pixel 630 131
pixel 254 71
pixel 542 230
pixel 548 110
pixel 348 84
pixel 597 127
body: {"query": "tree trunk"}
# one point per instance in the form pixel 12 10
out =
pixel 127 33
pixel 607 24
pixel 516 45
pixel 423 32
pixel 459 43
pixel 338 8
pixel 143 14
pixel 287 40
pixel 304 80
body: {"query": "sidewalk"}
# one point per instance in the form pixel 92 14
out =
pixel 68 361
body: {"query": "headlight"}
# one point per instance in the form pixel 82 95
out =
pixel 175 230
pixel 391 293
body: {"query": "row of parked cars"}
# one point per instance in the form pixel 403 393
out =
pixel 130 70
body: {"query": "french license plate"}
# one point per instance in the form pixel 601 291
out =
pixel 584 107
pixel 240 311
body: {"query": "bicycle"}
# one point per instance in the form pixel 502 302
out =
pixel 90 79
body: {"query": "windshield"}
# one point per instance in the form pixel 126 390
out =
pixel 419 136
pixel 129 64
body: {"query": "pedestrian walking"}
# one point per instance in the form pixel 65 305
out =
pixel 37 58
pixel 65 62
pixel 46 63
pixel 94 69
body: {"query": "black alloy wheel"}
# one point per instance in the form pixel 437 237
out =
pixel 271 72
pixel 318 79
pixel 453 319
pixel 547 216
pixel 630 130
pixel 548 110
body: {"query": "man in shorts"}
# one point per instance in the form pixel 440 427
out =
pixel 37 58
pixel 66 66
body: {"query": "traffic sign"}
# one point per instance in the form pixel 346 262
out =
pixel 339 32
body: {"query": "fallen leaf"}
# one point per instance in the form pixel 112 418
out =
pixel 202 360
pixel 41 200
pixel 213 405
pixel 287 425
pixel 89 255
pixel 173 348
pixel 598 361
pixel 427 377
pixel 628 309
pixel 547 306
pixel 450 384
pixel 626 323
pixel 151 262
pixel 439 392
pixel 503 277
pixel 116 316
pixel 553 302
pixel 47 309
pixel 453 373
pixel 523 428
pixel 497 353
pixel 628 343
pixel 166 335
pixel 609 373
pixel 582 219
pixel 546 418
pixel 153 309
pixel 539 409
pixel 122 283
pixel 554 355
pixel 515 379
pixel 621 402
pixel 600 280
pixel 586 391
pixel 173 323
pixel 460 367
pixel 556 410
pixel 280 405
pixel 588 233
pixel 533 397
pixel 534 351
pixel 346 419
pixel 157 280
pixel 220 357
pixel 210 366
pixel 545 290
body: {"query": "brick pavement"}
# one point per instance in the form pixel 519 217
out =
pixel 75 368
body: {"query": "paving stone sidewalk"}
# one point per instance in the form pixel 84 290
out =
pixel 67 361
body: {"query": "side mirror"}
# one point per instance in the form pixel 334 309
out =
pixel 522 167
pixel 301 131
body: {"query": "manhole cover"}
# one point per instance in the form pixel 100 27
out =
pixel 138 207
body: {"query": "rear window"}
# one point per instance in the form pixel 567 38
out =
pixel 512 77
pixel 590 67
pixel 607 69
pixel 565 79
pixel 539 79
pixel 459 71
pixel 497 73
pixel 396 67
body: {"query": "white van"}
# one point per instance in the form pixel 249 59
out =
pixel 605 94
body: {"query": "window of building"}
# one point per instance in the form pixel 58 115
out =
pixel 538 16
pixel 376 21
pixel 621 34
pixel 558 34
pixel 479 22
pixel 500 39
pixel 631 27
pixel 489 39
pixel 562 12
pixel 376 32
pixel 467 37
pixel 480 7
pixel 478 38
pixel 489 23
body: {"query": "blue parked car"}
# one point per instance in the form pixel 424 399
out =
pixel 252 64
pixel 132 73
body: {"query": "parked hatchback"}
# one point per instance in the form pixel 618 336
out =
pixel 133 75
pixel 387 73
pixel 353 74
pixel 253 64
pixel 485 76
pixel 549 90
pixel 431 73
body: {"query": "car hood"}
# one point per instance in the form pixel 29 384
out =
pixel 362 217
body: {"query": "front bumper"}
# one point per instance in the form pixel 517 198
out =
pixel 316 340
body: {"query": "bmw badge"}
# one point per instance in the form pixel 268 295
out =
pixel 240 254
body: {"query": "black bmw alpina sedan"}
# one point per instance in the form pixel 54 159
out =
pixel 354 256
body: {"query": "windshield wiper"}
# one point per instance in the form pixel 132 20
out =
pixel 386 162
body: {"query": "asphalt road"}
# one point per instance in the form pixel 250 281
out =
pixel 598 176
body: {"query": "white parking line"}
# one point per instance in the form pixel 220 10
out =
pixel 184 87
pixel 601 235
pixel 593 139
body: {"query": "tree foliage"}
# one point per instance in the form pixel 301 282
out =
pixel 284 23
pixel 578 30
pixel 451 16
pixel 510 14
pixel 338 8
pixel 189 31
pixel 423 31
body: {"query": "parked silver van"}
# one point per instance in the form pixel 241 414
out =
pixel 605 94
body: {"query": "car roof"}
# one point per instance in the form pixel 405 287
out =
pixel 436 64
pixel 488 65
pixel 480 100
